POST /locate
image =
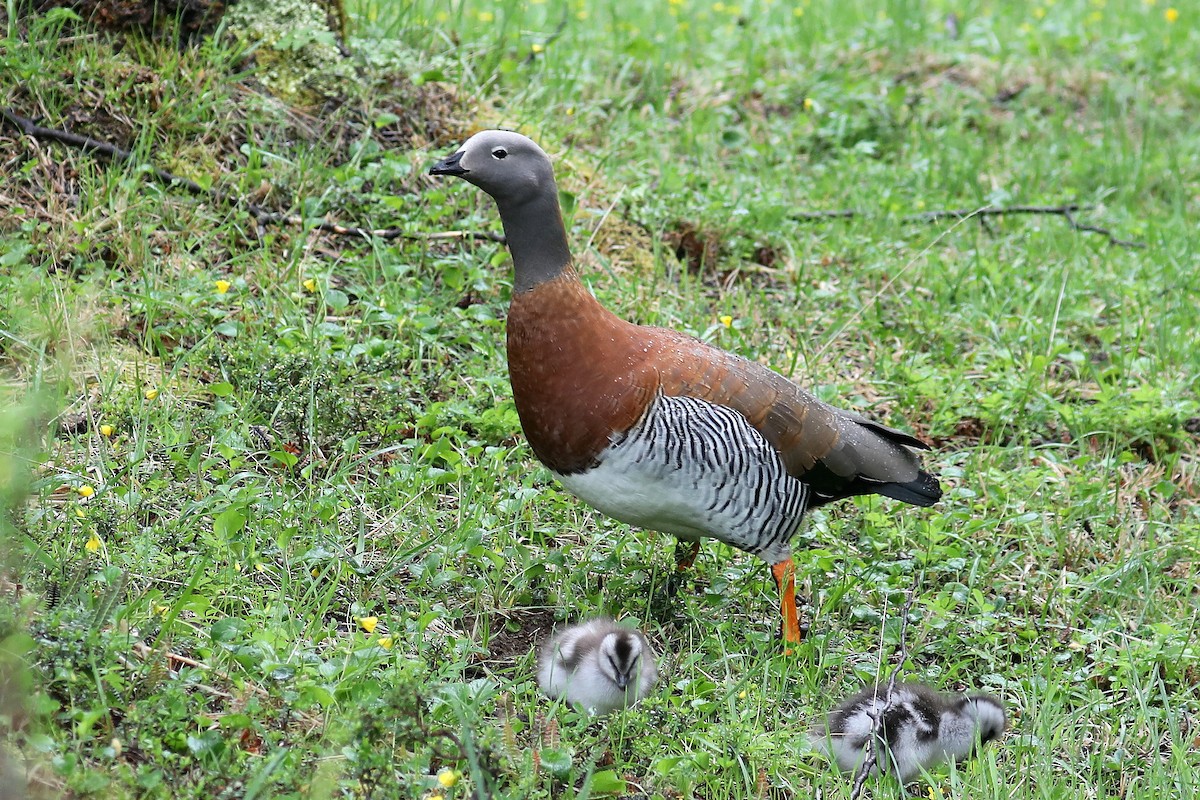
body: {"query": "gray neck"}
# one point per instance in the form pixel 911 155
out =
pixel 537 240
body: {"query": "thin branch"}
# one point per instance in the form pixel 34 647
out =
pixel 1112 239
pixel 864 769
pixel 87 144
pixel 1066 211
pixel 992 211
pixel 841 213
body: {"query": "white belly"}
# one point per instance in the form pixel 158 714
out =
pixel 692 468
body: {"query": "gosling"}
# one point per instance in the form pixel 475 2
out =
pixel 920 729
pixel 598 665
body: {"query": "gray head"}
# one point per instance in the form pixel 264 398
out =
pixel 518 175
pixel 620 657
pixel 508 166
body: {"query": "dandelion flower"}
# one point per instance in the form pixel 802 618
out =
pixel 107 430
pixel 368 623
pixel 86 491
pixel 151 394
pixel 310 284
pixel 223 286
pixel 447 778
pixel 1172 14
pixel 93 543
pixel 385 642
pixel 726 320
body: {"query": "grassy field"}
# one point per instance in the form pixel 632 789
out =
pixel 272 529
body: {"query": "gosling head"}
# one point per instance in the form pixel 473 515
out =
pixel 620 657
pixel 987 714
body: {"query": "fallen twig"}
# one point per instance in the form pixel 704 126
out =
pixel 1112 239
pixel 1066 211
pixel 864 769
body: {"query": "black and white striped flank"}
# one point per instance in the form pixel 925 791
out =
pixel 693 468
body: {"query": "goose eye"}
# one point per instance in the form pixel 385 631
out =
pixel 499 153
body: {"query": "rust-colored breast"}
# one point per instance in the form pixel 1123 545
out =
pixel 576 378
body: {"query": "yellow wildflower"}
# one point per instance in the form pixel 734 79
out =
pixel 258 567
pixel 447 778
pixel 223 286
pixel 1172 14
pixel 86 491
pixel 537 47
pixel 726 320
pixel 151 394
pixel 385 642
pixel 93 543
pixel 107 430
pixel 310 284
pixel 436 797
pixel 486 16
pixel 808 104
pixel 742 694
pixel 161 610
pixel 368 623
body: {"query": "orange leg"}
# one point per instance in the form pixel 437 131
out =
pixel 685 556
pixel 785 575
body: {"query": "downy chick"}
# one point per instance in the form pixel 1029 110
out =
pixel 598 665
pixel 921 729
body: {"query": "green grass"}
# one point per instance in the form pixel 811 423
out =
pixel 334 438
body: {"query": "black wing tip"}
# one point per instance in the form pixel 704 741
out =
pixel 924 491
